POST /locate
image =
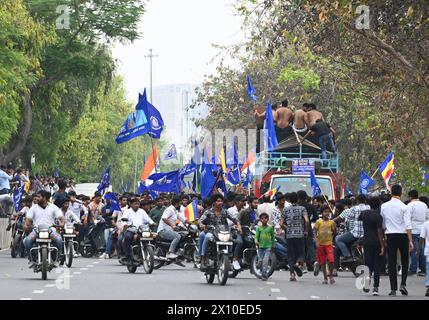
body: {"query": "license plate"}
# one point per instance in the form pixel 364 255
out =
pixel 43 240
pixel 69 236
pixel 224 243
pixel 147 239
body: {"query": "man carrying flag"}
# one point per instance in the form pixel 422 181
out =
pixel 386 168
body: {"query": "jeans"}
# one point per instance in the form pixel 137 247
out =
pixel 373 262
pixel 324 141
pixel 4 191
pixel 238 246
pixel 280 249
pixel 262 253
pixel 108 232
pixel 120 244
pixel 126 243
pixel 203 242
pixel 427 271
pixel 397 241
pixel 310 256
pixel 421 260
pixel 172 236
pixel 343 241
pixel 57 241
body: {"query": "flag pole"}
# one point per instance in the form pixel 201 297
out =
pixel 372 177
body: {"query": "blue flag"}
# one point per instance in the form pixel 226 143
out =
pixel 270 133
pixel 315 188
pixel 104 181
pixel 194 182
pixel 165 181
pixel 187 170
pixel 17 196
pixel 114 202
pixel 56 174
pixel 250 90
pixel 142 188
pixel 365 182
pixel 233 166
pixel 220 183
pixel 249 178
pixel 347 190
pixel 196 158
pixel 208 180
pixel 145 119
pixel 171 154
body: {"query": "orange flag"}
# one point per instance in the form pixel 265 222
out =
pixel 150 165
pixel 249 161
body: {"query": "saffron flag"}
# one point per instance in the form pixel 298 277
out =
pixel 250 160
pixel 191 211
pixel 150 165
pixel 387 168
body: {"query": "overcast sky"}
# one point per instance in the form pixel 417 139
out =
pixel 181 33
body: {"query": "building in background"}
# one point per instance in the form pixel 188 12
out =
pixel 173 102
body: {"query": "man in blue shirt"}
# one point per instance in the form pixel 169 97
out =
pixel 4 180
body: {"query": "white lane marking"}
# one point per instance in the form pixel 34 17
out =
pixel 275 290
pixel 77 272
pixel 50 285
pixel 26 299
pixel 38 291
pixel 90 266
pixel 84 269
pixel 68 276
pixel 270 283
pixel 314 297
pixel 281 298
pixel 96 262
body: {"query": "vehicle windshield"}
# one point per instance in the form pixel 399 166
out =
pixel 289 184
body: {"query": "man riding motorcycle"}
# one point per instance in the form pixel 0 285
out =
pixel 167 226
pixel 43 213
pixel 133 218
pixel 215 216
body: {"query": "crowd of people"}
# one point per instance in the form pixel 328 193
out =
pixel 318 234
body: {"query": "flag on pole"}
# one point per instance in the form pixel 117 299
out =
pixel 208 180
pixel 269 130
pixel 249 178
pixel 154 117
pixel 222 159
pixel 56 174
pixel 150 165
pixel 233 173
pixel 365 182
pixel 17 196
pixel 171 153
pixel 386 168
pixel 250 159
pixel 271 193
pixel 104 181
pixel 191 211
pixel 315 188
pixel 114 202
pixel 165 181
pixel 251 92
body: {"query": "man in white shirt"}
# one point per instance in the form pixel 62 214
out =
pixel 132 218
pixel 167 225
pixel 238 206
pixel 419 213
pixel 397 228
pixel 268 207
pixel 4 180
pixel 44 213
pixel 424 236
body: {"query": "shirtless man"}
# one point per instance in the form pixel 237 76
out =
pixel 259 113
pixel 284 117
pixel 313 115
pixel 300 120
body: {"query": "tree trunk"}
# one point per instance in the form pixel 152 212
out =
pixel 21 139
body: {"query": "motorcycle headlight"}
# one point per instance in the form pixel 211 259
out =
pixel 69 230
pixel 224 237
pixel 146 234
pixel 44 235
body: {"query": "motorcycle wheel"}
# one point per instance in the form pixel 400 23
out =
pixel 131 268
pixel 86 251
pixel 69 254
pixel 159 253
pixel 44 263
pixel 223 269
pixel 257 270
pixel 14 246
pixel 148 260
pixel 210 278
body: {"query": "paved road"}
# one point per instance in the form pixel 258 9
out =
pixel 107 279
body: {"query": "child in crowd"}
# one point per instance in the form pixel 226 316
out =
pixel 265 243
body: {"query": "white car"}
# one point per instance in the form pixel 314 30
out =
pixel 88 189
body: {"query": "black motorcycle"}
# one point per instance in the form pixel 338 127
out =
pixel 16 247
pixel 91 237
pixel 142 250
pixel 43 254
pixel 248 253
pixel 68 234
pixel 187 249
pixel 356 249
pixel 219 253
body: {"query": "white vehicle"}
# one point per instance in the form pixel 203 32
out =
pixel 88 189
pixel 293 183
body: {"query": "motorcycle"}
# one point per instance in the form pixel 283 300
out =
pixel 356 249
pixel 16 246
pixel 69 235
pixel 45 260
pixel 85 246
pixel 142 252
pixel 187 247
pixel 218 254
pixel 278 259
pixel 248 253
